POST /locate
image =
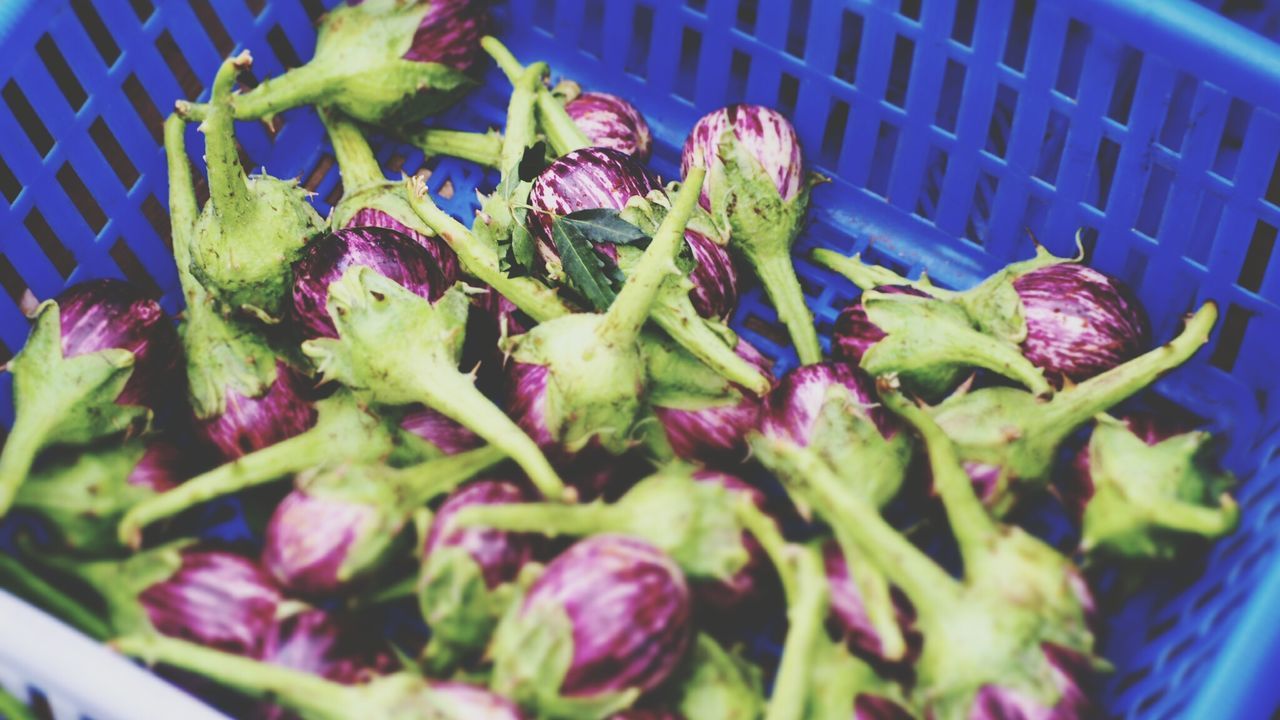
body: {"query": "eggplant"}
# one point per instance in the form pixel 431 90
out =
pixel 466 574
pixel 850 622
pixel 612 122
pixel 607 621
pixel 757 193
pixel 100 358
pixel 340 525
pixel 384 62
pixel 398 695
pixel 713 684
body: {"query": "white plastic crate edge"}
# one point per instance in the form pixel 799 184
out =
pixel 39 651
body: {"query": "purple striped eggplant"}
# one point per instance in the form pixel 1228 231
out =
pixel 1012 437
pixel 466 573
pixel 439 432
pixel 1144 487
pixel 384 62
pixel 84 495
pixel 607 621
pixel 705 538
pixel 593 388
pixel 848 619
pixel 252 228
pixel 611 122
pixel 401 695
pixel 757 193
pixel 1016 592
pixel 249 424
pixel 100 358
pixel 340 525
pixel 387 252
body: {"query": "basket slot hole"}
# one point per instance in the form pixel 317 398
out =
pixel 14 286
pixel 1177 651
pixel 142 8
pixel 984 197
pixel 788 93
pixel 313 8
pixel 962 26
pixel 178 65
pixel 116 157
pixel 1131 679
pixel 1205 228
pixel 145 108
pixel 641 34
pixel 593 27
pixel 158 218
pixel 256 6
pixel 687 77
pixel 1104 171
pixel 1001 124
pixel 1126 85
pixel 61 72
pixel 759 326
pixel 396 163
pixel 850 42
pixel 697 5
pixel 1135 268
pixel 1153 201
pixel 1072 64
pixel 900 71
pixel 27 117
pixel 1177 120
pixel 927 204
pixel 1055 136
pixel 9 184
pixel 283 49
pixel 1224 163
pixel 882 158
pixel 63 261
pixel 80 196
pixel 798 31
pixel 1015 47
pixel 1232 336
pixel 335 195
pixel 949 104
pixel 1037 212
pixel 317 174
pixel 133 270
pixel 748 11
pixel 833 133
pixel 1160 628
pixel 213 27
pixel 97 31
pixel 544 11
pixel 1273 187
pixel 1229 609
pixel 1255 557
pixel 739 75
pixel 1257 259
pixel 909 9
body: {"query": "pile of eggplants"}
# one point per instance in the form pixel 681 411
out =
pixel 533 434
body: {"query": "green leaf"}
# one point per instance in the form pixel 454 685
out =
pixel 584 268
pixel 605 225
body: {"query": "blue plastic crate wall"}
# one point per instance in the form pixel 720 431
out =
pixel 949 130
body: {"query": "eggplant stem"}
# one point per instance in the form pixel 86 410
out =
pixel 304 85
pixel 778 275
pixel 26 439
pixel 313 697
pixel 868 276
pixel 183 210
pixel 691 332
pixel 521 126
pixel 480 148
pixel 13 708
pixel 630 309
pixel 439 476
pixel 357 164
pixel 766 532
pixel 228 186
pixel 548 519
pixel 877 599
pixel 456 397
pixel 563 134
pixel 806 610
pixel 14 574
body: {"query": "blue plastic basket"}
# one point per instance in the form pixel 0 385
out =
pixel 948 128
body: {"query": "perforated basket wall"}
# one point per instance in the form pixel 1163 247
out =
pixel 949 129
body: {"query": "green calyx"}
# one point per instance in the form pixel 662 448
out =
pixel 252 228
pixel 345 432
pixel 532 652
pixel 715 684
pixel 693 522
pixel 399 349
pixel 679 380
pixel 459 607
pixel 358 67
pixel 1148 499
pixel 1020 433
pixel 61 400
pixel 762 227
pixel 85 494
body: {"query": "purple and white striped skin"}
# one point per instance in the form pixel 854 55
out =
pixel 874 707
pixel 310 538
pixel 715 278
pixel 105 314
pixel 387 252
pixel 217 599
pixel 162 467
pixel 459 701
pixel 444 256
pixel 1069 668
pixel 1080 323
pixel 717 433
pixel 611 122
pixel 527 404
pixel 450 437
pixel 854 333
pixel 755 579
pixel 499 555
pixel 584 179
pixel 449 34
pixel 848 619
pixel 251 424
pixel 794 405
pixel 629 611
pixel 764 131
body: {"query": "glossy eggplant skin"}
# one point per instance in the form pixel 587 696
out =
pixel 612 122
